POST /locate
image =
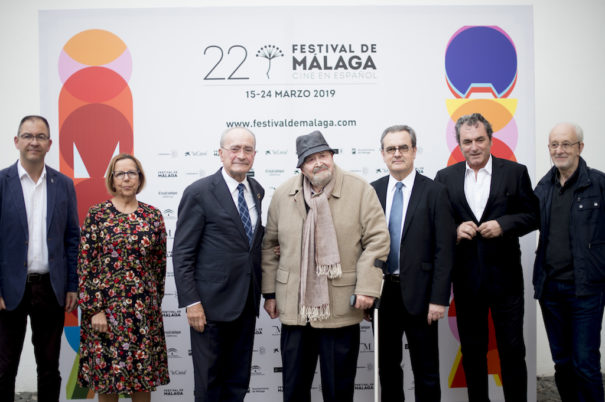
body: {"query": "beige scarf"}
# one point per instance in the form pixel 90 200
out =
pixel 320 259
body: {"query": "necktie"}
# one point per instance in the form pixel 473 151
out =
pixel 242 208
pixel 395 228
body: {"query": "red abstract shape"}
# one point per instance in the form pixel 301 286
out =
pixel 95 84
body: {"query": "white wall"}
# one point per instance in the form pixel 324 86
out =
pixel 569 66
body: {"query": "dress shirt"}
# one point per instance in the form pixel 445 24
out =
pixel 34 195
pixel 248 196
pixel 408 184
pixel 476 189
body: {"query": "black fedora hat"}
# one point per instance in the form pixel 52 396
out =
pixel 310 144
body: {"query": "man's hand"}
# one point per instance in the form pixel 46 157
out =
pixel 363 302
pixel 2 305
pixel 71 300
pixel 436 312
pixel 196 317
pixel 99 322
pixel 466 230
pixel 490 229
pixel 271 308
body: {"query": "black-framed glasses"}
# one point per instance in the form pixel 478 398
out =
pixel 131 174
pixel 565 146
pixel 404 149
pixel 30 137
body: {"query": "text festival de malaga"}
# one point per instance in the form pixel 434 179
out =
pixel 336 56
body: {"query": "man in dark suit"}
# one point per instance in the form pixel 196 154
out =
pixel 217 266
pixel 39 239
pixel 493 205
pixel 417 279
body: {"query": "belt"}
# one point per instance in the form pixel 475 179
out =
pixel 392 278
pixel 35 277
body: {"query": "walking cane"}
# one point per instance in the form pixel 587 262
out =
pixel 375 308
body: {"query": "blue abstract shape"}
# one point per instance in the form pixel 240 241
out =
pixel 72 334
pixel 481 57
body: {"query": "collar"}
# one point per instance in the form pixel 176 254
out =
pixel 232 183
pixel 487 167
pixel 22 172
pixel 408 181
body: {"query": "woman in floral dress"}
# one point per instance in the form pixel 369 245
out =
pixel 121 269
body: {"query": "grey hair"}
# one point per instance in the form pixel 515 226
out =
pixel 395 129
pixel 579 132
pixel 473 120
pixel 227 131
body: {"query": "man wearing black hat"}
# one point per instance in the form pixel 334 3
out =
pixel 333 242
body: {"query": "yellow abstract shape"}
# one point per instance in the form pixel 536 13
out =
pixel 499 112
pixel 94 47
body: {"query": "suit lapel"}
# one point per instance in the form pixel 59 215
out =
pixel 299 199
pixel 381 191
pixel 257 195
pixel 459 188
pixel 16 195
pixel 494 187
pixel 51 193
pixel 225 201
pixel 418 190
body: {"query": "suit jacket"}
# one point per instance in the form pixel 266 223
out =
pixel 62 232
pixel 212 259
pixel 363 242
pixel 427 244
pixel 514 206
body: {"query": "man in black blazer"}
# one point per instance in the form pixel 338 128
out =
pixel 493 205
pixel 417 275
pixel 217 266
pixel 39 237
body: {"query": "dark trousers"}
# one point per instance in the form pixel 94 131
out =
pixel 507 314
pixel 394 320
pixel 47 316
pixel 337 349
pixel 573 326
pixel 222 357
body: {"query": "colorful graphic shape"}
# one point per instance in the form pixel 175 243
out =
pixel 481 59
pixel 95 123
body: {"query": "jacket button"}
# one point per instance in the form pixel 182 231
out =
pixel 581 206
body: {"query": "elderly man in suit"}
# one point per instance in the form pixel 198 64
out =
pixel 216 259
pixel 493 205
pixel 417 275
pixel 333 243
pixel 39 239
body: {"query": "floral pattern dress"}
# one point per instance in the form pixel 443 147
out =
pixel 121 270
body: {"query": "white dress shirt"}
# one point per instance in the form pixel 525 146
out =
pixel 34 195
pixel 476 189
pixel 248 196
pixel 408 184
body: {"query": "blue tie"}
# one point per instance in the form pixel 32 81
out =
pixel 242 208
pixel 395 229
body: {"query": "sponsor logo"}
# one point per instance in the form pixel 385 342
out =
pixel 362 151
pixel 173 391
pixel 196 173
pixel 365 347
pixel 173 353
pixel 274 172
pixel 171 313
pixel 276 152
pixel 276 330
pixel 178 372
pixel 196 153
pixel 258 331
pixel 361 387
pixel 170 154
pixel 259 390
pixel 169 213
pixel 167 173
pixel 167 194
pixel 256 370
pixel 382 170
pixel 172 334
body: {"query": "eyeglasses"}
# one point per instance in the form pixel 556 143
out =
pixel 131 174
pixel 404 149
pixel 30 137
pixel 565 146
pixel 236 149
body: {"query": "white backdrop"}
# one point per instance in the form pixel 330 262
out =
pixel 179 115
